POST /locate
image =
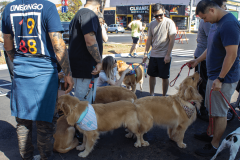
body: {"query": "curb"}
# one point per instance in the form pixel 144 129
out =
pixel 3 66
pixel 122 55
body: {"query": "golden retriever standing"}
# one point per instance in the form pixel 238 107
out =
pixel 169 111
pixel 109 94
pixel 131 80
pixel 109 116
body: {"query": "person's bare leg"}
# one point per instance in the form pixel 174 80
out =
pixel 165 84
pixel 133 48
pixel 152 83
pixel 220 124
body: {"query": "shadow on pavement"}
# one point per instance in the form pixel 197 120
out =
pixel 8 140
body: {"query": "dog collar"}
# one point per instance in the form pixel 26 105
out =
pixel 82 115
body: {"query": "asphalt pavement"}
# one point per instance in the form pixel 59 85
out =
pixel 114 145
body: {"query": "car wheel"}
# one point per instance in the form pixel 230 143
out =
pixel 122 32
pixel 116 31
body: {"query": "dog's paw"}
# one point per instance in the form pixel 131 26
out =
pixel 145 143
pixel 80 148
pixel 129 135
pixel 83 154
pixel 137 144
pixel 182 145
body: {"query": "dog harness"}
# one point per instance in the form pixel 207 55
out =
pixel 88 120
pixel 133 71
pixel 188 110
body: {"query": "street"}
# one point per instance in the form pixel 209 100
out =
pixel 114 145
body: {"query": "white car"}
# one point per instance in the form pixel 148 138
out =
pixel 116 28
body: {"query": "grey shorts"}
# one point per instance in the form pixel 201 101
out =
pixel 219 106
pixel 81 86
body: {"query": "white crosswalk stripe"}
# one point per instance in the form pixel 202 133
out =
pixel 182 53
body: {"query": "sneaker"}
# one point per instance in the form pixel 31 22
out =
pixel 203 137
pixel 135 55
pixel 2 93
pixel 140 45
pixel 129 56
pixel 206 151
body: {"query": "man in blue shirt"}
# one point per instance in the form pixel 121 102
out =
pixel 222 66
pixel 33 41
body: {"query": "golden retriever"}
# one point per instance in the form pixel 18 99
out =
pixel 109 94
pixel 131 80
pixel 109 117
pixel 64 136
pixel 169 111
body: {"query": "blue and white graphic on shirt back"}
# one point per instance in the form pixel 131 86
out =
pixel 28 26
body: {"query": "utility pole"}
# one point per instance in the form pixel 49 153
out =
pixel 190 18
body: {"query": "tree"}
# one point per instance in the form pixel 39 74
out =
pixel 2 6
pixel 74 6
pixel 68 16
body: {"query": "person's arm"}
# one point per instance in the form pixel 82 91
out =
pixel 149 43
pixel 170 47
pixel 231 55
pixel 61 52
pixel 195 62
pixel 8 46
pixel 104 34
pixel 93 49
pixel 120 80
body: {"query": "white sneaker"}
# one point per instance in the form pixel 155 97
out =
pixel 3 93
pixel 37 157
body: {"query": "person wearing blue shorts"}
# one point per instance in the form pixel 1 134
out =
pixel 33 41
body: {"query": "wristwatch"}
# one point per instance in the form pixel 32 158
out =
pixel 220 79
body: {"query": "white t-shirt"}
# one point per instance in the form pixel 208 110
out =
pixel 102 79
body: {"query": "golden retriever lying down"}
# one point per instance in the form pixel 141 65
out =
pixel 169 111
pixel 64 136
pixel 109 117
pixel 109 94
pixel 131 80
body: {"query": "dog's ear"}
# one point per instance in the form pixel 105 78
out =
pixel 188 94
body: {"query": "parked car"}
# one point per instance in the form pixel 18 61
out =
pixel 116 28
pixel 65 26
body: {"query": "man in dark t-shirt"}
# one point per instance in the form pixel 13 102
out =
pixel 85 50
pixel 222 62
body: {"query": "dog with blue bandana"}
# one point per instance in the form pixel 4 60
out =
pixel 93 119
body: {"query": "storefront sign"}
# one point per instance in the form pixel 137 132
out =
pixel 139 9
pixel 134 9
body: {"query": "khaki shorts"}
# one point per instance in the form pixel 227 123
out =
pixel 219 106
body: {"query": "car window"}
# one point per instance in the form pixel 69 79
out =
pixel 115 25
pixel 111 25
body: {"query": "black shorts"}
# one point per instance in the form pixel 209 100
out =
pixel 158 68
pixel 135 40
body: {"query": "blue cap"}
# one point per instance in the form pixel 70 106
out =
pixel 139 16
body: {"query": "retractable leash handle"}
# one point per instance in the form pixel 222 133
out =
pixel 145 70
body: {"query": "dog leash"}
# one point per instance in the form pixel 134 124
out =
pixel 90 86
pixel 145 69
pixel 210 111
pixel 175 79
